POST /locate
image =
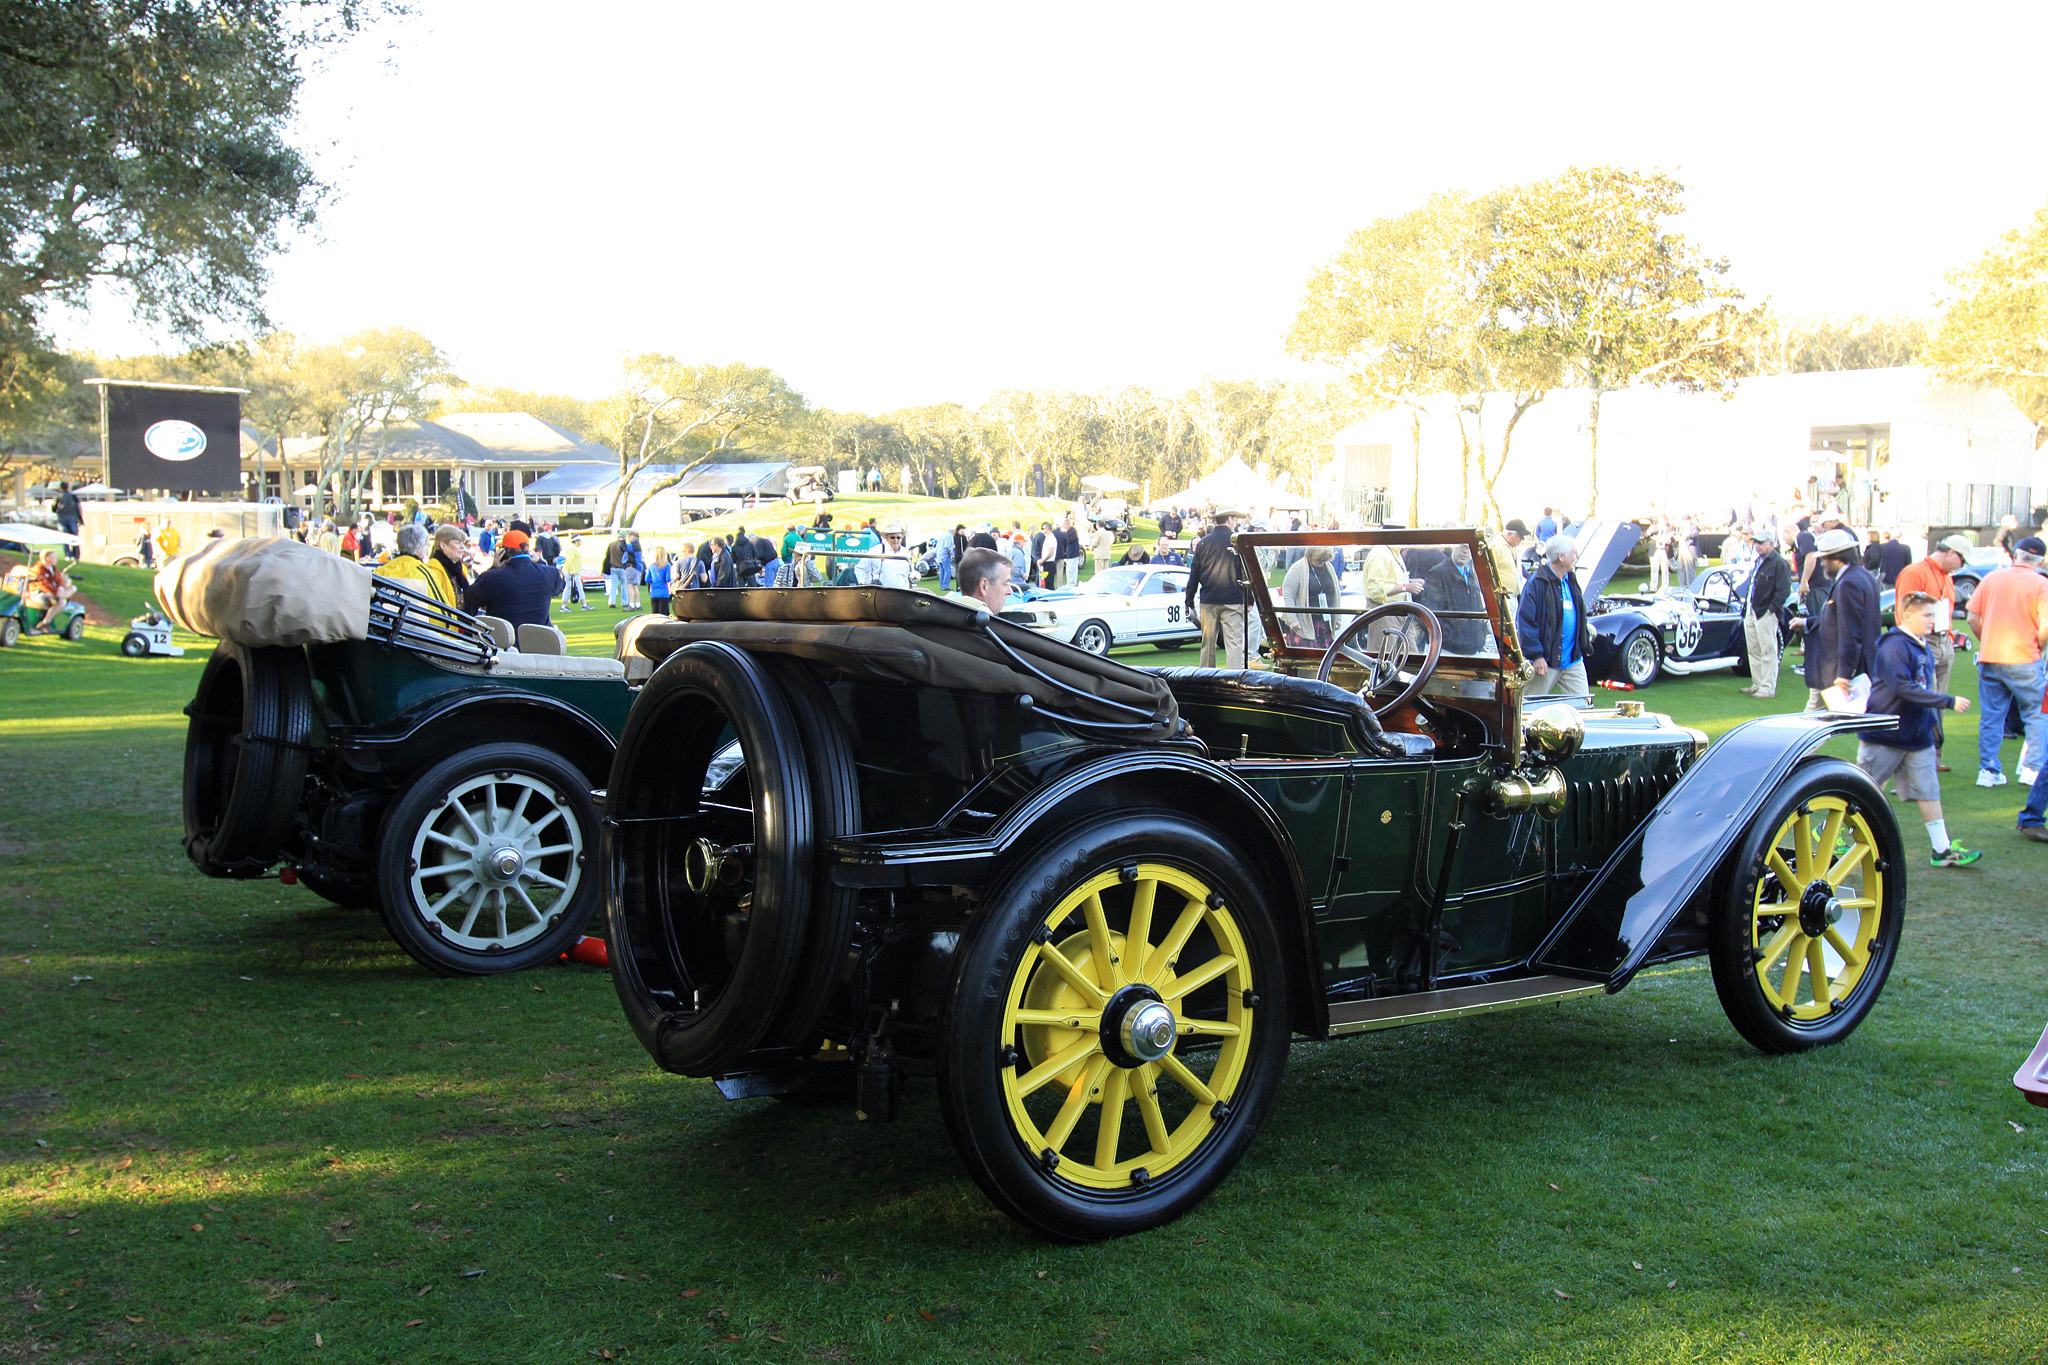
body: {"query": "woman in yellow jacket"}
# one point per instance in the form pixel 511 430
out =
pixel 411 562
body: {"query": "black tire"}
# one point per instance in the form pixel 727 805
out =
pixel 128 562
pixel 1094 635
pixel 133 645
pixel 74 629
pixel 520 872
pixel 1170 644
pixel 1752 949
pixel 1640 658
pixel 704 957
pixel 1047 1178
pixel 835 814
pixel 10 631
pixel 245 757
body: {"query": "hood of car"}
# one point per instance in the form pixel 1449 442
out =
pixel 1603 545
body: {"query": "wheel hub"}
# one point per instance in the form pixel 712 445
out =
pixel 1137 1027
pixel 505 863
pixel 1819 908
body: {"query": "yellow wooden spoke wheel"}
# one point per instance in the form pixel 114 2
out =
pixel 1116 1031
pixel 1815 919
pixel 1131 1025
pixel 1810 923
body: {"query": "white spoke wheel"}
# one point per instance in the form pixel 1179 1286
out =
pixel 1116 1028
pixel 1642 657
pixel 1806 927
pixel 487 862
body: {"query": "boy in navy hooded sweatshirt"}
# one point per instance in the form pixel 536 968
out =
pixel 1902 684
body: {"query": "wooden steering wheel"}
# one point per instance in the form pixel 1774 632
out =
pixel 1388 660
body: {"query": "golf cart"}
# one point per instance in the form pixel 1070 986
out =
pixel 808 484
pixel 17 615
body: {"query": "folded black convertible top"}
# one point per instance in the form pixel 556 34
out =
pixel 920 639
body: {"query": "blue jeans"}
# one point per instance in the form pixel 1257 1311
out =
pixel 2032 813
pixel 2001 687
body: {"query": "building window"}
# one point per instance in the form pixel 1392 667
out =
pixel 434 485
pixel 501 487
pixel 396 483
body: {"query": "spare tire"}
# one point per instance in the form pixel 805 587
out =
pixel 835 814
pixel 246 751
pixel 709 902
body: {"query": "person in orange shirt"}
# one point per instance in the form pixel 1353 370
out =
pixel 2009 612
pixel 1930 577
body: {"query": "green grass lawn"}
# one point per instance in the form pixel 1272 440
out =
pixel 237 1123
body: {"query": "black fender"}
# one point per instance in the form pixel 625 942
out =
pixel 1615 925
pixel 423 737
pixel 1215 795
pixel 1603 656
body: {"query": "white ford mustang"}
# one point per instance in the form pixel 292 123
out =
pixel 1130 604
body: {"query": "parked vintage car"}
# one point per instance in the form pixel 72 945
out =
pixel 869 835
pixel 418 763
pixel 1639 637
pixel 1130 604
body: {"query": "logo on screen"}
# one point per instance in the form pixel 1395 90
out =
pixel 174 439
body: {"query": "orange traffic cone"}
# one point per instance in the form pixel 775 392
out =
pixel 589 950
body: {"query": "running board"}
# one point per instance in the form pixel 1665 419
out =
pixel 1363 1016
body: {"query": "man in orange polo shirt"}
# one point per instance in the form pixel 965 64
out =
pixel 1931 577
pixel 2009 612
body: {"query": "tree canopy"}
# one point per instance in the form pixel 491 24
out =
pixel 1576 280
pixel 665 411
pixel 1995 329
pixel 146 143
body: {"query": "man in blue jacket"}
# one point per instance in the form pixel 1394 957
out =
pixel 1842 641
pixel 1902 685
pixel 1552 624
pixel 518 590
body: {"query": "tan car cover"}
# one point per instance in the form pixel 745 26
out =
pixel 266 592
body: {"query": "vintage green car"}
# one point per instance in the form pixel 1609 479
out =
pixel 428 769
pixel 858 836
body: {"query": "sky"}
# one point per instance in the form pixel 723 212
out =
pixel 899 204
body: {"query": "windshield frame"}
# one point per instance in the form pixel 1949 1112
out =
pixel 1507 661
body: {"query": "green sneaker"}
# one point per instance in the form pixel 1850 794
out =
pixel 1955 855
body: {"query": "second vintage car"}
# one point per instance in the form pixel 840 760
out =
pixel 1125 605
pixel 391 752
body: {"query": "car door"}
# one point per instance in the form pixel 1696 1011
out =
pixel 1163 607
pixel 1720 616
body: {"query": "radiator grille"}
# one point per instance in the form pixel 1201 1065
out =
pixel 1599 814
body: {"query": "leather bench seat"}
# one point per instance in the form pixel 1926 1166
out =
pixel 1262 690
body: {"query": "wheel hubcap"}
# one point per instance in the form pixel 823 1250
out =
pixel 1147 1032
pixel 496 861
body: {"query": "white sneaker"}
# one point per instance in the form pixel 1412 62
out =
pixel 2027 776
pixel 1988 778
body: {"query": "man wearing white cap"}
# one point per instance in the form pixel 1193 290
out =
pixel 891 569
pixel 1841 642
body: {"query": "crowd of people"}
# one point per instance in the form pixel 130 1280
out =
pixel 1813 568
